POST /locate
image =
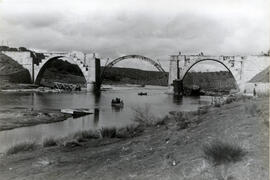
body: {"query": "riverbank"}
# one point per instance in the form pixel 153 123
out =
pixel 163 151
pixel 21 117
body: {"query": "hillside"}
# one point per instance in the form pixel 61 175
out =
pixel 12 72
pixel 134 76
pixel 210 81
pixel 8 65
pixel 262 76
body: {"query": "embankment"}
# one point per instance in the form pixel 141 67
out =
pixel 162 151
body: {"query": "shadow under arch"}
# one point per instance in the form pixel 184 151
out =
pixel 215 60
pixel 48 63
pixel 133 56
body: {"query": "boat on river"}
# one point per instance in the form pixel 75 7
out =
pixel 77 112
pixel 117 102
pixel 142 93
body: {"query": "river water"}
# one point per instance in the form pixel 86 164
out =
pixel 157 101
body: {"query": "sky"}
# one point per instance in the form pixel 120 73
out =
pixel 153 28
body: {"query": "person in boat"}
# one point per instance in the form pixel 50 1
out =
pixel 116 100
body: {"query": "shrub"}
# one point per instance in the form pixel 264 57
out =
pixel 222 153
pixel 144 117
pixel 129 131
pixel 108 132
pixel 86 134
pixel 21 147
pixel 48 142
pixel 181 119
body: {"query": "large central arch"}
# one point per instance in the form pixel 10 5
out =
pixel 133 56
pixel 143 58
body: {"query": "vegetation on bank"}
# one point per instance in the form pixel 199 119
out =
pixel 48 142
pixel 21 147
pixel 221 155
pixel 143 119
pixel 219 152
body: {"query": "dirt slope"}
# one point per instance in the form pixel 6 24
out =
pixel 262 76
pixel 161 152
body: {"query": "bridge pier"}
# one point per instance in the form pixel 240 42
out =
pixel 173 72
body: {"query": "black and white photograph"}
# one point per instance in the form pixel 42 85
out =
pixel 134 89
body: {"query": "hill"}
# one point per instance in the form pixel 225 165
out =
pixel 12 72
pixel 210 81
pixel 134 76
pixel 262 76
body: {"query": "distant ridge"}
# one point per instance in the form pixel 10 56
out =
pixel 262 76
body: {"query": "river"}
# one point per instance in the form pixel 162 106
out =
pixel 157 101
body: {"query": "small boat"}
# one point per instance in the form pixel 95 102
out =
pixel 117 102
pixel 142 93
pixel 77 112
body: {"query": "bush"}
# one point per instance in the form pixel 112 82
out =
pixel 129 131
pixel 48 142
pixel 144 117
pixel 222 153
pixel 21 147
pixel 90 134
pixel 181 119
pixel 108 132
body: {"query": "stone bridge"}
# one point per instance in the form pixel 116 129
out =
pixel 36 70
pixel 242 68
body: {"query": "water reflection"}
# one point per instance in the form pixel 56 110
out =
pixel 117 108
pixel 96 116
pixel 177 99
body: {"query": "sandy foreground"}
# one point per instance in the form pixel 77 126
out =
pixel 160 152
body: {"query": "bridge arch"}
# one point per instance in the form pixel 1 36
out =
pixel 134 56
pixel 224 63
pixel 40 69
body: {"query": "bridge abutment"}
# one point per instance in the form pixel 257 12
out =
pixel 23 58
pixel 87 65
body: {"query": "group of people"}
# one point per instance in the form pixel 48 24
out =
pixel 117 100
